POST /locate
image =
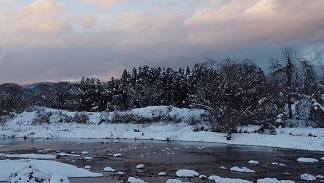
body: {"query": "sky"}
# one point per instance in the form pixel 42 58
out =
pixel 65 40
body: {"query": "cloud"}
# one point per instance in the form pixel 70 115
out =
pixel 102 3
pixel 235 23
pixel 50 40
pixel 39 18
pixel 142 30
pixel 3 53
pixel 42 16
pixel 87 21
pixel 8 1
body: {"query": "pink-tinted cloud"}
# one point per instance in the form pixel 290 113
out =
pixel 47 40
pixel 102 3
pixel 233 22
pixel 87 21
pixel 33 23
pixel 140 29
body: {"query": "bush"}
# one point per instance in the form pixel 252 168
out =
pixel 193 120
pixel 63 118
pixel 81 117
pixel 157 116
pixel 104 118
pixel 41 116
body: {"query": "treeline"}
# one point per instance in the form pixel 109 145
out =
pixel 234 92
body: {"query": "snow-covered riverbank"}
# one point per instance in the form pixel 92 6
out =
pixel 23 125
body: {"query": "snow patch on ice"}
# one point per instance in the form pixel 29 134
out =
pixel 29 156
pixel 223 168
pixel 135 180
pixel 173 181
pixel 88 158
pixel 84 152
pixel 227 180
pixel 117 155
pixel 273 180
pixel 187 173
pixel 307 160
pixel 307 176
pixel 253 162
pixel 109 169
pixel 162 174
pixel 203 177
pixel 140 166
pixel 278 164
pixel 242 170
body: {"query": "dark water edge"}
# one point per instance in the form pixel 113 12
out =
pixel 158 156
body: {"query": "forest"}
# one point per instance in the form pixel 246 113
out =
pixel 234 92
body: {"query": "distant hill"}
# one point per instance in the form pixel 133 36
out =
pixel 34 85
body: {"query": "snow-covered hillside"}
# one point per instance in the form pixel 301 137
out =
pixel 171 123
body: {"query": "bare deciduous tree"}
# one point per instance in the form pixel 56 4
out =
pixel 287 69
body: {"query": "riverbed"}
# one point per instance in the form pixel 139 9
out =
pixel 169 156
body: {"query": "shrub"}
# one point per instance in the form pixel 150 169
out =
pixel 81 117
pixel 63 118
pixel 41 116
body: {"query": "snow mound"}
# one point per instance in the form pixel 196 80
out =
pixel 59 179
pixel 278 164
pixel 227 180
pixel 173 181
pixel 307 160
pixel 30 173
pixel 307 176
pixel 109 169
pixel 223 168
pixel 62 154
pixel 135 180
pixel 140 166
pixel 117 155
pixel 273 180
pixel 242 170
pixel 203 177
pixel 88 158
pixel 253 162
pixel 162 174
pixel 84 152
pixel 322 158
pixel 49 167
pixel 187 173
pixel 319 177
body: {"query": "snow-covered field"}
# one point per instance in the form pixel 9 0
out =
pixel 22 126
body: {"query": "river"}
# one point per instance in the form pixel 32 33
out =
pixel 162 156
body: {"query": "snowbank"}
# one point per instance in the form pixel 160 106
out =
pixel 22 126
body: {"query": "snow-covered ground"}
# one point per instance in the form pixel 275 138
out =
pixel 45 169
pixel 23 126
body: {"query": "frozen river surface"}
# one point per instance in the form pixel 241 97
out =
pixel 161 156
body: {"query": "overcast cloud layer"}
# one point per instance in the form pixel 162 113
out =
pixel 54 40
